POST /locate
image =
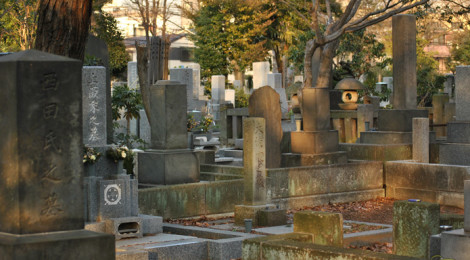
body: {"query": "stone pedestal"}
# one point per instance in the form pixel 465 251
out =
pixel 413 224
pixel 439 102
pixel 73 245
pixel 314 142
pixel 168 166
pixel 326 227
pixel 421 140
pixel 315 109
pixel 396 120
pixel 243 212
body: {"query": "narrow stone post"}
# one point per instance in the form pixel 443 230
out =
pixel 404 61
pixel 421 139
pixel 462 93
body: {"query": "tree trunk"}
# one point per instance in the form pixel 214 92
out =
pixel 63 27
pixel 325 66
pixel 142 71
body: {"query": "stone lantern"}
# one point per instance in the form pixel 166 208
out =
pixel 350 86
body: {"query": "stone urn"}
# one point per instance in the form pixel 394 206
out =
pixel 349 86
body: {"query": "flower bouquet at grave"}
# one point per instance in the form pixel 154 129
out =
pixel 90 155
pixel 117 153
pixel 205 124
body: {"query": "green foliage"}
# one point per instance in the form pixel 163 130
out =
pixel 205 124
pixel 128 100
pixel 427 73
pixel 241 98
pixel 191 123
pixel 17 24
pixel 91 60
pixel 229 35
pixel 106 29
pixel 296 52
pixel 460 52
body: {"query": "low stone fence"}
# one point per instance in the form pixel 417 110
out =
pixel 439 183
pixel 288 187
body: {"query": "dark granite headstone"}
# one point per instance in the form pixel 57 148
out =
pixel 264 102
pixel 41 143
pixel 157 48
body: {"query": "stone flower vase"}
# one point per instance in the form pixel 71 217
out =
pixel 120 167
pixel 90 169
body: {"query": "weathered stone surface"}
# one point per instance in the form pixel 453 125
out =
pixel 260 74
pixel 466 191
pixel 185 76
pixel 404 61
pixel 462 93
pixel 458 132
pixel 168 115
pixel 94 105
pixel 315 106
pixel 73 245
pixel 132 77
pixel 455 244
pixel 272 217
pixel 296 160
pixel 218 89
pixel 438 110
pixel 365 115
pixel 398 120
pixel 252 212
pixel 41 143
pixel 97 47
pixel 386 137
pixel 254 159
pixel 124 227
pixel 378 152
pixel 275 81
pixel 421 140
pixel 413 224
pixel 314 142
pixel 326 227
pixel 156 51
pixel 454 153
pixel 264 102
pixel 166 167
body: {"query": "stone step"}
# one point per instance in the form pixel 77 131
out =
pixel 233 153
pixel 221 169
pixel 210 176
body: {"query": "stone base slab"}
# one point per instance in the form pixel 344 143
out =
pixel 453 153
pixel 314 142
pixel 168 166
pixel 378 152
pixel 458 132
pixel 71 245
pixel 272 217
pixel 455 244
pixel 398 120
pixel 295 159
pixel 243 212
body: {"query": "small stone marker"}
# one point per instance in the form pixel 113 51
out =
pixel 404 61
pixel 413 224
pixel 462 93
pixel 421 139
pixel 218 89
pixel 132 77
pixel 260 74
pixel 254 158
pixel 275 81
pixel 264 102
pixel 326 227
pixel 93 105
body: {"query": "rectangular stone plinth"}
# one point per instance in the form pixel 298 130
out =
pixel 272 217
pixel 72 245
pixel 454 153
pixel 295 159
pixel 399 120
pixel 306 142
pixel 455 244
pixel 168 166
pixel 243 212
pixel 41 145
pixel 458 132
pixel 413 224
pixel 326 227
pixel 316 109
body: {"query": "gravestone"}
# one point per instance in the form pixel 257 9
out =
pixel 254 171
pixel 230 96
pixel 439 102
pixel 98 48
pixel 41 131
pixel 260 74
pixel 218 94
pixel 157 49
pixel 161 164
pixel 132 76
pixel 449 86
pixel 421 140
pixel 186 76
pixel 404 61
pixel 462 93
pixel 365 116
pixel 264 102
pixel 93 105
pixel 275 81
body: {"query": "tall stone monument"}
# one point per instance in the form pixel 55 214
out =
pixel 132 77
pixel 157 50
pixel 457 148
pixel 169 160
pixel 260 74
pixel 264 102
pixel 186 76
pixel 254 168
pixel 42 209
pixel 94 113
pixel 218 94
